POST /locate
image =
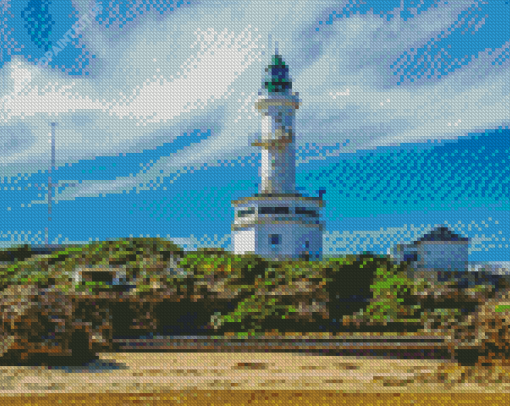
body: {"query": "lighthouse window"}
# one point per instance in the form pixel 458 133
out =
pixel 273 210
pixel 274 239
pixel 306 212
pixel 266 210
pixel 248 212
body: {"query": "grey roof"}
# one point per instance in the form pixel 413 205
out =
pixel 441 234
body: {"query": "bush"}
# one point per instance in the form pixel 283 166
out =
pixel 390 290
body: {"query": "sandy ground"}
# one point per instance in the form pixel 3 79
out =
pixel 164 372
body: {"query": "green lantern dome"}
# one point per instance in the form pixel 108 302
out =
pixel 277 78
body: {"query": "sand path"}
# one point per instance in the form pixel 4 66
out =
pixel 164 372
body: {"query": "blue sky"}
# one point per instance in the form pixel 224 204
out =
pixel 404 119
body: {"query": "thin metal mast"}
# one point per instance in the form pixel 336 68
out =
pixel 50 185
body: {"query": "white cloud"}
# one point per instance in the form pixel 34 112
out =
pixel 166 75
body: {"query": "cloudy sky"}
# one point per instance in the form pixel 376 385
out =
pixel 404 119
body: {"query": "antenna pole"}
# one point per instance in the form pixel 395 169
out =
pixel 50 185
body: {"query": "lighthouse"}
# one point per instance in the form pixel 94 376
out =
pixel 277 222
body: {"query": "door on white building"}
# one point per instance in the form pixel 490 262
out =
pixel 275 241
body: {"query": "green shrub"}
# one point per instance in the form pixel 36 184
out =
pixel 391 287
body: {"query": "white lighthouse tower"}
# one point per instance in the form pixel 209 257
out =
pixel 278 222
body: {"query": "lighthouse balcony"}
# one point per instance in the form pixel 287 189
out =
pixel 266 101
pixel 240 224
pixel 279 142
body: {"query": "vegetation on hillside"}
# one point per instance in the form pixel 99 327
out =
pixel 56 269
pixel 241 294
pixel 264 286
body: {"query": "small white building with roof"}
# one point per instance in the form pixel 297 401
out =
pixel 439 250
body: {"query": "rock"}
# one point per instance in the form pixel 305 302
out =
pixel 38 323
pixel 494 332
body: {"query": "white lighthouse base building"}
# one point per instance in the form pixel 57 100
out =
pixel 278 227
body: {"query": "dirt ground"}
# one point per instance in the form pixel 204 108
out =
pixel 165 372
